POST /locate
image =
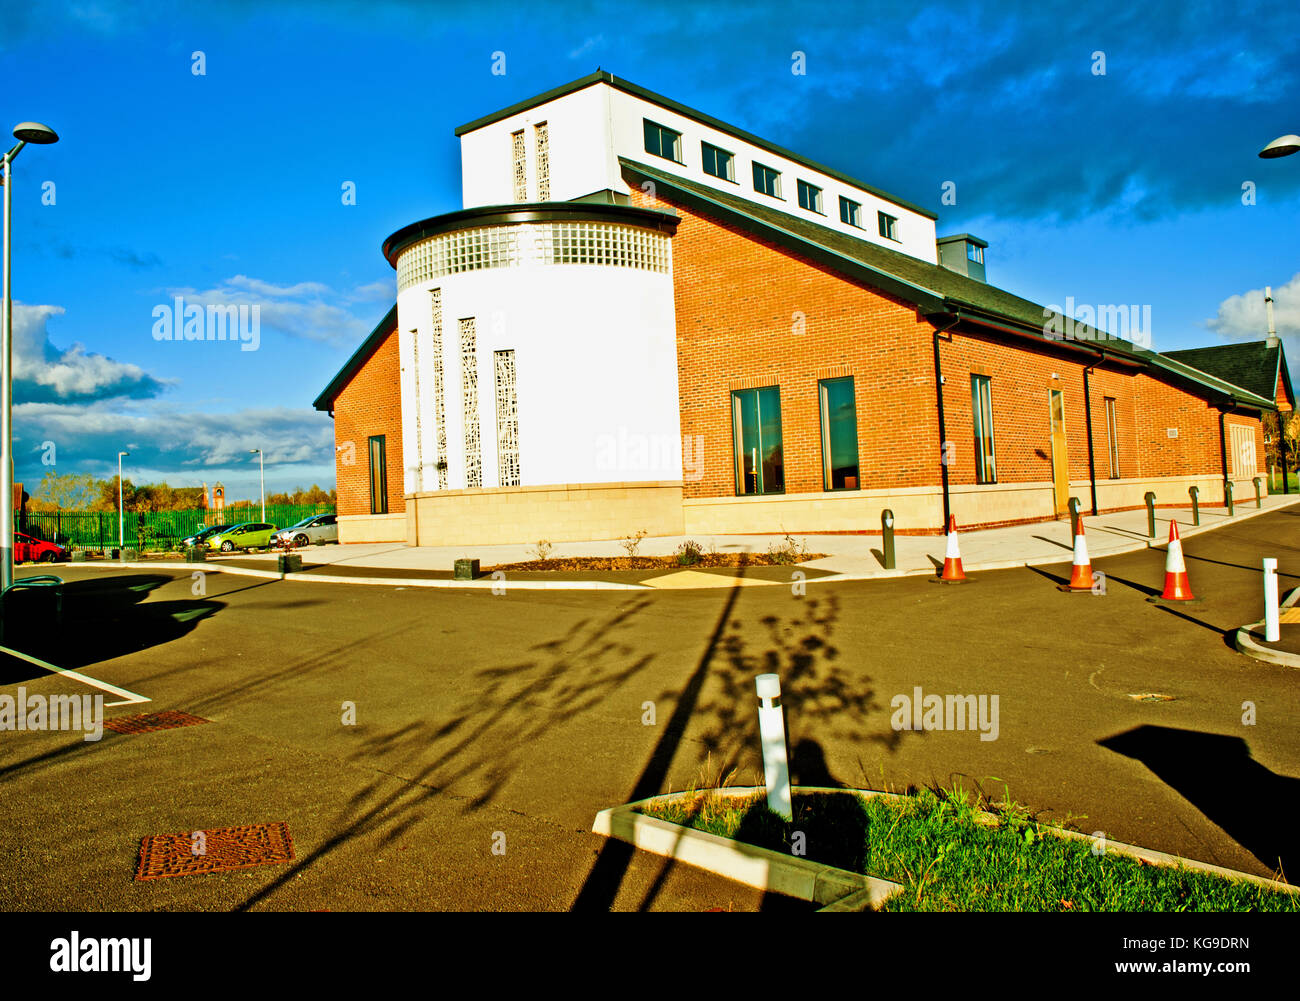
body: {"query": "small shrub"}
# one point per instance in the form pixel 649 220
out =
pixel 787 551
pixel 689 553
pixel 632 543
pixel 543 549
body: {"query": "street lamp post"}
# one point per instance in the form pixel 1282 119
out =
pixel 24 132
pixel 121 539
pixel 261 464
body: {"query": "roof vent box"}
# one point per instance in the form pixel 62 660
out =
pixel 964 254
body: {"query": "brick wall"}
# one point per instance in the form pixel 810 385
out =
pixel 370 404
pixel 752 314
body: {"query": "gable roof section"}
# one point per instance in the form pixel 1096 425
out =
pixel 931 288
pixel 600 76
pixel 1252 365
pixel 359 357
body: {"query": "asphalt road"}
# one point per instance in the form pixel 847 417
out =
pixel 524 714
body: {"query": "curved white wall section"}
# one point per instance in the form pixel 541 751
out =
pixel 586 308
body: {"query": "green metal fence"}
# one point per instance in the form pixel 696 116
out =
pixel 98 530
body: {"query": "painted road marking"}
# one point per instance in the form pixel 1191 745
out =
pixel 696 578
pixel 127 698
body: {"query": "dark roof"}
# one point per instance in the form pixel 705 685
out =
pixel 666 102
pixel 933 289
pixel 359 357
pixel 1252 365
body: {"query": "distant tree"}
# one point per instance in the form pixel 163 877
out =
pixel 66 492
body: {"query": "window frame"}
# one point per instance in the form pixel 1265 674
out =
pixel 801 186
pixel 824 423
pixel 705 147
pixel 983 463
pixel 885 221
pixel 380 505
pixel 737 456
pixel 646 124
pixel 1112 436
pixel 856 213
pixel 776 177
pixel 974 253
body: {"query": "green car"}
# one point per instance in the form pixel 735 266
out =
pixel 248 535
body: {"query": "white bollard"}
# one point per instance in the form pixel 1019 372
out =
pixel 771 734
pixel 1272 630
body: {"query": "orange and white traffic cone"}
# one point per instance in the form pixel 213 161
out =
pixel 1081 574
pixel 952 571
pixel 1177 587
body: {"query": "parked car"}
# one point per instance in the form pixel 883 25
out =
pixel 27 547
pixel 201 537
pixel 318 528
pixel 247 535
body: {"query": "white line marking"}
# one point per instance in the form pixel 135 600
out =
pixel 128 698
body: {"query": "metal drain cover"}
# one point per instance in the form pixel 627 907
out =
pixel 197 852
pixel 149 722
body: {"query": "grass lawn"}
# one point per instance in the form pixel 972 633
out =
pixel 949 858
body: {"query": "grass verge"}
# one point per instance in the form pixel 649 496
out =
pixel 950 857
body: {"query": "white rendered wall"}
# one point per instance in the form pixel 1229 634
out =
pixel 589 129
pixel 596 374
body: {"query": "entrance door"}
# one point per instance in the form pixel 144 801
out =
pixel 1060 460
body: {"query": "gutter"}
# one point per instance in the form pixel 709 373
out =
pixel 943 431
pixel 1223 447
pixel 1087 417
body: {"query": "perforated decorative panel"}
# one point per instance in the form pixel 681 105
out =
pixel 520 167
pixel 507 420
pixel 469 370
pixel 417 469
pixel 439 404
pixel 543 140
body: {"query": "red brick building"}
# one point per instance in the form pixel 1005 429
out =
pixel 824 371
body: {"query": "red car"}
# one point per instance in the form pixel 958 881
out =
pixel 27 548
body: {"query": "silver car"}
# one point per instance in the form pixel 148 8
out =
pixel 317 528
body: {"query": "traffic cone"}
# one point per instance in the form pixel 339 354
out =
pixel 952 571
pixel 1081 575
pixel 1177 587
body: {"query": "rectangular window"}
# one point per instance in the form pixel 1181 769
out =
pixel 1112 438
pixel 982 409
pixel 663 141
pixel 810 197
pixel 849 212
pixel 378 476
pixel 718 162
pixel 888 226
pixel 756 429
pixel 839 434
pixel 974 252
pixel 767 181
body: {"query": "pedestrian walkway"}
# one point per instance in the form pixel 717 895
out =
pixel 849 556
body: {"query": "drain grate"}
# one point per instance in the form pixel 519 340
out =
pixel 197 852
pixel 149 722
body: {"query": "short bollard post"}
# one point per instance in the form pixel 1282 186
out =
pixel 1151 513
pixel 1227 496
pixel 1259 498
pixel 1272 629
pixel 1196 506
pixel 771 734
pixel 1073 505
pixel 887 537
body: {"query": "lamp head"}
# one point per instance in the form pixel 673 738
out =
pixel 1281 146
pixel 35 133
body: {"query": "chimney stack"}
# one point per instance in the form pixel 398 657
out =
pixel 1272 341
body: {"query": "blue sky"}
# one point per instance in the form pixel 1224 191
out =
pixel 226 187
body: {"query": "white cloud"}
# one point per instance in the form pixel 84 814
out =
pixel 1243 317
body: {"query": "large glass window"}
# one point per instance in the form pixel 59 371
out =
pixel 767 181
pixel 663 141
pixel 839 434
pixel 378 476
pixel 1112 438
pixel 982 409
pixel 718 162
pixel 756 427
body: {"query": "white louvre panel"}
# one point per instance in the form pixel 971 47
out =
pixel 439 405
pixel 543 140
pixel 526 244
pixel 469 376
pixel 507 420
pixel 519 166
